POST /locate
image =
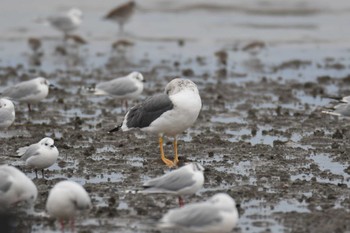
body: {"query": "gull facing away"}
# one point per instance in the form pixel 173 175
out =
pixel 218 214
pixel 168 114
pixel 7 113
pixel 16 189
pixel 186 180
pixel 66 200
pixel 121 14
pixel 67 22
pixel 124 88
pixel 40 155
pixel 30 92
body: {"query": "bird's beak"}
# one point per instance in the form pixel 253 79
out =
pixel 115 129
pixel 144 81
pixel 51 85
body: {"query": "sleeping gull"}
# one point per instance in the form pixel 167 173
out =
pixel 68 22
pixel 168 114
pixel 218 214
pixel 186 180
pixel 30 92
pixel 7 113
pixel 121 14
pixel 39 155
pixel 16 189
pixel 66 199
pixel 124 88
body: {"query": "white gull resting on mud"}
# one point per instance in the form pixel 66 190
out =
pixel 7 113
pixel 218 214
pixel 186 180
pixel 30 92
pixel 66 200
pixel 39 155
pixel 169 113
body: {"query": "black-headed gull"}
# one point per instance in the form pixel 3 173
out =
pixel 7 113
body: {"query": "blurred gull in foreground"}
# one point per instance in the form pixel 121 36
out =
pixel 169 113
pixel 39 155
pixel 7 113
pixel 66 200
pixel 186 180
pixel 124 88
pixel 121 14
pixel 30 92
pixel 218 214
pixel 67 22
pixel 16 189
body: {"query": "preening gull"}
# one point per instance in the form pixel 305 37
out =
pixel 218 214
pixel 7 113
pixel 168 114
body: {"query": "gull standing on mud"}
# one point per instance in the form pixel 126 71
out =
pixel 67 22
pixel 16 189
pixel 66 199
pixel 340 109
pixel 40 155
pixel 121 14
pixel 186 180
pixel 218 214
pixel 30 92
pixel 168 114
pixel 7 113
pixel 124 88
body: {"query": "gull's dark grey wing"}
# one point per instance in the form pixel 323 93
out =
pixel 31 151
pixel 144 114
pixel 194 216
pixel 118 87
pixel 171 182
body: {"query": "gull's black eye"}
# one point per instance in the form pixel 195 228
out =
pixel 45 144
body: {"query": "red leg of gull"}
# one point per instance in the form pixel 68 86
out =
pixel 62 225
pixel 181 201
pixel 72 224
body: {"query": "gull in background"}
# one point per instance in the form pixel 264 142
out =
pixel 66 200
pixel 218 214
pixel 7 113
pixel 67 22
pixel 30 92
pixel 186 180
pixel 123 88
pixel 40 155
pixel 121 14
pixel 16 189
pixel 169 114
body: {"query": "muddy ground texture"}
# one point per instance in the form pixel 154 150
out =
pixel 282 160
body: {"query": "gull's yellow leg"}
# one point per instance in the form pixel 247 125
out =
pixel 176 158
pixel 168 162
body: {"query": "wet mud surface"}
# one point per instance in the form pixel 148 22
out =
pixel 260 135
pixel 264 141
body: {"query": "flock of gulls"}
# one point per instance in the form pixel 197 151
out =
pixel 165 114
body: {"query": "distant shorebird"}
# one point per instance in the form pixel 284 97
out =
pixel 218 214
pixel 169 113
pixel 66 200
pixel 186 180
pixel 121 14
pixel 68 22
pixel 124 88
pixel 40 155
pixel 30 92
pixel 7 113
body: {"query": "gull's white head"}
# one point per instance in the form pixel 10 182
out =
pixel 75 12
pixel 43 81
pixel 137 76
pixel 196 167
pixel 223 200
pixel 48 142
pixel 177 85
pixel 5 103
